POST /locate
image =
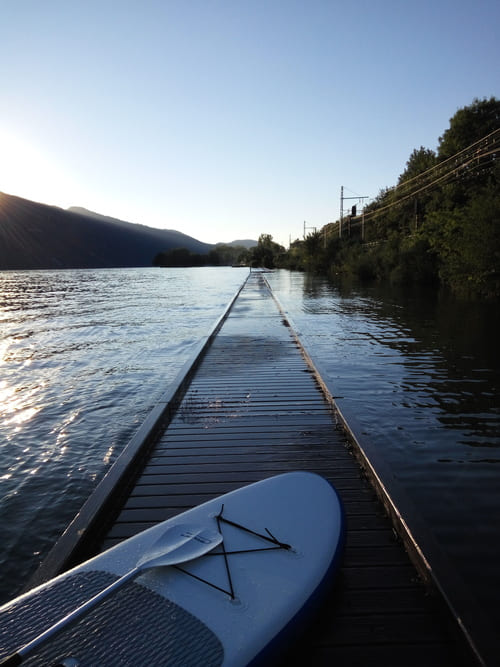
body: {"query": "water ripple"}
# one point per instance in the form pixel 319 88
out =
pixel 83 357
pixel 420 372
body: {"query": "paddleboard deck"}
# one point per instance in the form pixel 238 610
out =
pixel 238 604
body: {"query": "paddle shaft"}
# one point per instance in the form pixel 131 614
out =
pixel 17 658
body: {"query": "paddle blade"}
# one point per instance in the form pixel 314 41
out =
pixel 180 543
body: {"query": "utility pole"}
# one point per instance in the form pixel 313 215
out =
pixel 341 210
pixel 342 199
pixel 313 228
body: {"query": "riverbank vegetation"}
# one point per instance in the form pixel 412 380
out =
pixel 266 254
pixel 439 225
pixel 221 255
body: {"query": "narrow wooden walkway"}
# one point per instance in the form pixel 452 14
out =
pixel 254 409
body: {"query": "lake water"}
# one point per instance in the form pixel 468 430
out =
pixel 85 354
pixel 420 373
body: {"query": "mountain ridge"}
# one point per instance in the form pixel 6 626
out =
pixel 246 243
pixel 41 236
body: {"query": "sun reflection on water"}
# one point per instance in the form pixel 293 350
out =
pixel 15 408
pixel 108 455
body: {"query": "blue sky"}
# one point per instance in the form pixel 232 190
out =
pixel 227 119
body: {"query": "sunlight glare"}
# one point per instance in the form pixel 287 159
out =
pixel 14 409
pixel 26 171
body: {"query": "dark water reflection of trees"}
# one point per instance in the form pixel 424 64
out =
pixel 420 372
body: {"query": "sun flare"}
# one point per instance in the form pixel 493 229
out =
pixel 26 171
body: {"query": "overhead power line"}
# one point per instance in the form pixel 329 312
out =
pixel 486 147
pixel 491 137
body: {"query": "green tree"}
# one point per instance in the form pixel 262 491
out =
pixel 419 161
pixel 463 228
pixel 466 241
pixel 313 251
pixel 227 255
pixel 266 252
pixel 179 257
pixel 468 125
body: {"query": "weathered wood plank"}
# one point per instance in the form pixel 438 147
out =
pixel 388 655
pixel 165 465
pixel 344 486
pixel 264 421
pixel 305 436
pixel 177 482
pixel 375 556
pixel 234 455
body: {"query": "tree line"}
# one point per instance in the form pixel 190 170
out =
pixel 266 254
pixel 439 225
pixel 221 255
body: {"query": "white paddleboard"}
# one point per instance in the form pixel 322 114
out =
pixel 238 604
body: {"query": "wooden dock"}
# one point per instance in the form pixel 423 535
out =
pixel 251 406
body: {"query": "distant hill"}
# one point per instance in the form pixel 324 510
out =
pixel 37 236
pixel 246 243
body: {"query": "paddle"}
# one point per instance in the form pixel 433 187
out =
pixel 178 544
